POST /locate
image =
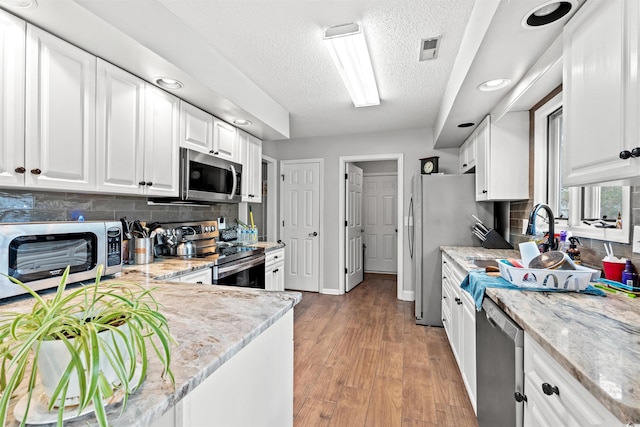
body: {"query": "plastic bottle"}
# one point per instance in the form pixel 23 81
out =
pixel 563 245
pixel 573 251
pixel 629 276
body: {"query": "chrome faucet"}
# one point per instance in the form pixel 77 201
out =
pixel 551 244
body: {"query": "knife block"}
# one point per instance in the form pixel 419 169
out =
pixel 493 240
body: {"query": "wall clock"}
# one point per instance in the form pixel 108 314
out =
pixel 429 165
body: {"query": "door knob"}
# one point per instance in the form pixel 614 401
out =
pixel 550 390
pixel 36 171
pixel 20 169
pixel 314 234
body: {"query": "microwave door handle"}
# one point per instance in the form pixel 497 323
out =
pixel 235 182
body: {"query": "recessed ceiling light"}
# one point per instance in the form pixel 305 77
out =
pixel 466 125
pixel 169 83
pixel 547 13
pixel 242 122
pixel 21 4
pixel 495 84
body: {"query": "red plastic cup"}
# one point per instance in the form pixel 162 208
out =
pixel 613 270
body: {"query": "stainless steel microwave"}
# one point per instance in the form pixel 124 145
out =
pixel 205 178
pixel 37 253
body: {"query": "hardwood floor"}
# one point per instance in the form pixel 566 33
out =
pixel 360 360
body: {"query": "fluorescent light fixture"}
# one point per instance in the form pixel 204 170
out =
pixel 492 85
pixel 348 49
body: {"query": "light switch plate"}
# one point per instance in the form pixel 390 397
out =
pixel 636 239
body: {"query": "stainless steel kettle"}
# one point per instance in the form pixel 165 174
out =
pixel 186 249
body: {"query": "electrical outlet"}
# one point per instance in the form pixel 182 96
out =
pixel 636 239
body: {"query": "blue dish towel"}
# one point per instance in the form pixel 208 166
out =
pixel 477 281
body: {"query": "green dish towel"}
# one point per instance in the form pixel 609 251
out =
pixel 477 281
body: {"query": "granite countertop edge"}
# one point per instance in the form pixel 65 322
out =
pixel 208 335
pixel 531 311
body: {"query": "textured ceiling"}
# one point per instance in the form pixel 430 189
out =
pixel 278 45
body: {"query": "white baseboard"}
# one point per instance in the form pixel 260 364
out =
pixel 408 296
pixel 331 291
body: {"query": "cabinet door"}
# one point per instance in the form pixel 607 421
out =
pixel 60 114
pixel 483 164
pixel 12 72
pixel 224 141
pixel 203 277
pixel 468 349
pixel 595 86
pixel 251 167
pixel 279 277
pixel 467 154
pixel 196 128
pixel 120 130
pixel 269 279
pixel 161 136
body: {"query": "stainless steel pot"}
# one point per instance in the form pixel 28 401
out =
pixel 186 249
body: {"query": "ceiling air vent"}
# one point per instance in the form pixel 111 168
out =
pixel 429 48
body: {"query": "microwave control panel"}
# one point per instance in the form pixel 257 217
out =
pixel 114 246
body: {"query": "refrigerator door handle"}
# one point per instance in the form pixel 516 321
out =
pixel 410 228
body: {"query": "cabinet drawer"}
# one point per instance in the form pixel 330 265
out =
pixel 573 404
pixel 273 257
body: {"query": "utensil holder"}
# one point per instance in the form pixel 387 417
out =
pixel 493 240
pixel 141 250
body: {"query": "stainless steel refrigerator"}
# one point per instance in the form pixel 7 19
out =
pixel 439 215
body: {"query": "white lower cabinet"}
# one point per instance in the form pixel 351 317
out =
pixel 459 319
pixel 554 397
pixel 203 276
pixel 253 388
pixel 274 270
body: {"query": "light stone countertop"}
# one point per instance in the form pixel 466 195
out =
pixel 211 324
pixel 268 246
pixel 596 339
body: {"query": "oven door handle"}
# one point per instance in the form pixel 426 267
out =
pixel 235 183
pixel 236 267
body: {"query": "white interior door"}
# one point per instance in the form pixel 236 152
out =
pixel 380 223
pixel 355 271
pixel 301 224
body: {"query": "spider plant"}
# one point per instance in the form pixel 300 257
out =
pixel 104 327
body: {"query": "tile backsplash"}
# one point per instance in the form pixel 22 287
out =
pixel 31 206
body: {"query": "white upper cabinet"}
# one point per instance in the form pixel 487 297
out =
pixel 196 128
pixel 60 114
pixel 502 158
pixel 161 137
pixel 224 141
pixel 601 96
pixel 12 73
pixel 251 148
pixel 202 132
pixel 467 153
pixel 120 131
pixel 138 130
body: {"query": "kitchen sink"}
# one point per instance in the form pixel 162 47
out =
pixel 484 263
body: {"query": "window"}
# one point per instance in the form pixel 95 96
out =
pixel 593 212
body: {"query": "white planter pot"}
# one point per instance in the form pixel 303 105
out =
pixel 54 358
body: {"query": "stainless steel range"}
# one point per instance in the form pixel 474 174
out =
pixel 234 264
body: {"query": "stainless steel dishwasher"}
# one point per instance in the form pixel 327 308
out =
pixel 499 364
